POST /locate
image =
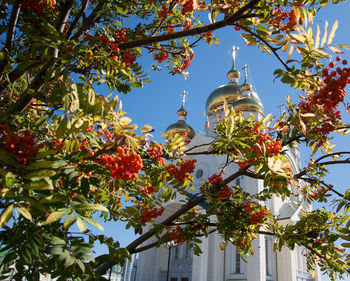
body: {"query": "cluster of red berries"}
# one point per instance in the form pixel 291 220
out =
pixel 22 144
pixel 170 29
pixel 155 152
pixel 105 134
pixel 103 39
pixel 148 190
pixel 329 95
pixel 147 215
pixel 37 5
pixel 319 193
pixel 188 24
pixel 128 57
pixel 273 148
pixel 262 140
pixel 57 144
pixel 208 37
pixel 225 191
pixel 288 18
pixel 163 12
pixel 247 206
pixel 120 36
pixel 162 56
pixel 186 62
pixel 216 179
pixel 334 83
pixel 187 7
pixel 125 166
pixel 183 170
pixel 258 216
pixel 177 236
pixel 240 243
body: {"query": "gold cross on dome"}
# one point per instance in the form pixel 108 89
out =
pixel 246 66
pixel 234 52
pixel 183 95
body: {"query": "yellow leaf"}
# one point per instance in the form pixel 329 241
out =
pixel 81 225
pixel 303 127
pixel 290 51
pixel 335 50
pixel 318 37
pixel 285 46
pixel 125 120
pixel 6 215
pixel 332 34
pixel 25 213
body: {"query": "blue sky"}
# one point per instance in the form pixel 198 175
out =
pixel 156 103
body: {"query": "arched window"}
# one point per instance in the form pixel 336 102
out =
pixel 199 173
pixel 237 262
pixel 176 252
pixel 238 181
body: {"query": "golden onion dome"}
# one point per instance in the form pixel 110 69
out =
pixel 180 127
pixel 233 74
pixel 246 87
pixel 226 93
pixel 249 103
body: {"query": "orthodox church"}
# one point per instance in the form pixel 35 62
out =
pixel 177 262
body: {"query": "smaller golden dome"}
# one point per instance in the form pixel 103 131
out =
pixel 228 93
pixel 249 103
pixel 180 127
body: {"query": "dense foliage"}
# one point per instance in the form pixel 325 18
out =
pixel 68 154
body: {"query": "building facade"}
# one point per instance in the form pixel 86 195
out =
pixel 177 263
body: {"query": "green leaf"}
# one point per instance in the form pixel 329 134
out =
pixel 43 173
pixel 55 216
pixel 8 159
pixel 38 185
pixel 6 215
pixel 90 207
pixel 80 264
pixel 81 225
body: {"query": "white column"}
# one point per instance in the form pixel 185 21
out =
pixel 286 265
pixel 256 263
pixel 200 264
pixel 216 258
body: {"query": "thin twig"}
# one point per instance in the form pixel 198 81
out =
pixel 10 33
pixel 267 44
pixel 77 17
pixel 89 22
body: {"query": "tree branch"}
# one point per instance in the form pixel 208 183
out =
pixel 144 237
pixel 77 17
pixel 273 50
pixel 26 98
pixel 88 22
pixel 10 33
pixel 194 31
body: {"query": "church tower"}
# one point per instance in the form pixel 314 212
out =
pixel 177 262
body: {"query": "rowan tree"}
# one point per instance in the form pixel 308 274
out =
pixel 68 154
